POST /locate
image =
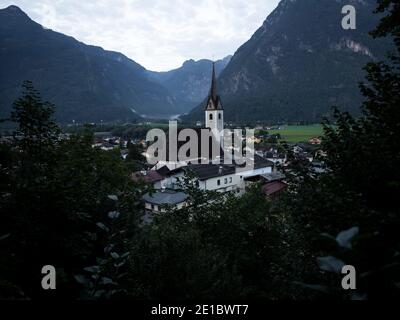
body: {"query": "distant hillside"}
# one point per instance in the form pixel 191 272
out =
pixel 86 83
pixel 190 83
pixel 299 63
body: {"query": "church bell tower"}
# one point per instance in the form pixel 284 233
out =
pixel 214 111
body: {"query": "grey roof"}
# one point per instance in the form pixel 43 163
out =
pixel 164 171
pixel 273 176
pixel 167 197
pixel 260 162
pixel 207 171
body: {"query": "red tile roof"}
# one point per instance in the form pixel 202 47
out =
pixel 274 187
pixel 150 176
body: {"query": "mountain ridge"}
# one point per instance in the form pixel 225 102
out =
pixel 87 83
pixel 299 64
pixel 189 83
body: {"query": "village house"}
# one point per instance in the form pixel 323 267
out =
pixel 158 202
pixel 273 184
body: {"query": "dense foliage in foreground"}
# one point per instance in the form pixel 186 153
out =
pixel 53 192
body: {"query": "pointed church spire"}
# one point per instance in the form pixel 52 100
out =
pixel 213 101
pixel 214 112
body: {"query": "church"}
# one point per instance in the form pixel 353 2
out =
pixel 219 177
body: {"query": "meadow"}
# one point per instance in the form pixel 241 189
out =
pixel 295 133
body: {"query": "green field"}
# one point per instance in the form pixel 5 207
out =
pixel 298 133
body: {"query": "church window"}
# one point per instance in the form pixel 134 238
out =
pixel 211 116
pixel 219 116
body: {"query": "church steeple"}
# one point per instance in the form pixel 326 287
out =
pixel 214 112
pixel 213 101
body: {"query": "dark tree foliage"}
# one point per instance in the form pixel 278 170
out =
pixel 365 152
pixel 135 159
pixel 54 193
pixel 362 185
pixel 217 247
pixel 389 24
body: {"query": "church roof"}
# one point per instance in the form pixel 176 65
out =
pixel 213 101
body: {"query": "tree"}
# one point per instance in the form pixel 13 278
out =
pixel 56 195
pixel 135 152
pixel 218 246
pixel 362 184
pixel 36 128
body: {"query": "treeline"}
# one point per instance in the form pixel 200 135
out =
pixel 127 131
pixel 55 193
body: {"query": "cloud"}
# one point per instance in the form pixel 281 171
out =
pixel 158 34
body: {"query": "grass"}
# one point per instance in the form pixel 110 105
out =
pixel 298 133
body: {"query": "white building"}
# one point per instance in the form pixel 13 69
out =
pixel 159 201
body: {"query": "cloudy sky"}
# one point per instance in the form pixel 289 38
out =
pixel 158 34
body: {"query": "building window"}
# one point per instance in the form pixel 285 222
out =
pixel 230 180
pixel 219 182
pixel 211 116
pixel 226 180
pixel 152 206
pixel 219 116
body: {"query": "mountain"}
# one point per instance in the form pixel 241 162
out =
pixel 85 82
pixel 191 82
pixel 299 63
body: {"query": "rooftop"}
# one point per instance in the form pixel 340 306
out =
pixel 207 171
pixel 164 171
pixel 147 176
pixel 167 197
pixel 273 176
pixel 260 162
pixel 274 187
